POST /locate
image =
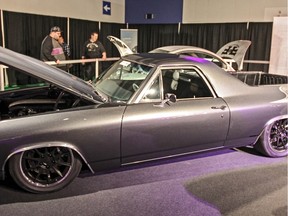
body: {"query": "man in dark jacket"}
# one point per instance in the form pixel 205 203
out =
pixel 51 50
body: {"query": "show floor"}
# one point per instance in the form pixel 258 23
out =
pixel 226 182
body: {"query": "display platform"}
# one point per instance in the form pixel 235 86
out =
pixel 226 182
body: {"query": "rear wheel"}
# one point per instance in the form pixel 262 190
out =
pixel 274 139
pixel 44 170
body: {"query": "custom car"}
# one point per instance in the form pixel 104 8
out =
pixel 144 107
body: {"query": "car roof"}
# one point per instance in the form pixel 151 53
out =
pixel 184 50
pixel 180 48
pixel 156 59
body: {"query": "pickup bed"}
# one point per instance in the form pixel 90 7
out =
pixel 260 78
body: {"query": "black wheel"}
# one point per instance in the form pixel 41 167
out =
pixel 44 170
pixel 274 139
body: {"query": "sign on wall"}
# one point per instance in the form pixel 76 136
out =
pixel 279 47
pixel 130 37
pixel 106 8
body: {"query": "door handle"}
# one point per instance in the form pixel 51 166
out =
pixel 223 107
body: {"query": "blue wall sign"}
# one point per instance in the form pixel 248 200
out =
pixel 106 8
pixel 153 12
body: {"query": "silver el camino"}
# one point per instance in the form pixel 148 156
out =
pixel 144 107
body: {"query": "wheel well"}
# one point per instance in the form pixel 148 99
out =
pixel 85 165
pixel 275 119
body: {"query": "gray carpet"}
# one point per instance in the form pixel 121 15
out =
pixel 226 182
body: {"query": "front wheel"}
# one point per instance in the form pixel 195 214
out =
pixel 44 170
pixel 274 139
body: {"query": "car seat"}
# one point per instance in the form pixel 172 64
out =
pixel 174 83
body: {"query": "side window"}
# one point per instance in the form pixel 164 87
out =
pixel 185 83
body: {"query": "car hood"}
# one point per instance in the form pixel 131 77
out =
pixel 120 45
pixel 53 75
pixel 235 50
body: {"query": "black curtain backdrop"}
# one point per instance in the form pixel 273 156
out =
pixel 155 35
pixel 261 36
pixel 211 37
pixel 110 29
pixel 80 31
pixel 106 30
pixel 25 32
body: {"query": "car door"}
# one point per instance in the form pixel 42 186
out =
pixel 152 128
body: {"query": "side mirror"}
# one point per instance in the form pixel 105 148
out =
pixel 170 97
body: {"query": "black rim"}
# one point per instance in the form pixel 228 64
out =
pixel 278 135
pixel 46 166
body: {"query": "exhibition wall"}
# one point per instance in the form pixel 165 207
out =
pixel 204 11
pixel 211 11
pixel 192 11
pixel 279 47
pixel 86 10
pixel 153 12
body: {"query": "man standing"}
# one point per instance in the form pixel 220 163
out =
pixel 51 50
pixel 92 48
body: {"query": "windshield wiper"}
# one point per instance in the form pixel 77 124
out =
pixel 103 99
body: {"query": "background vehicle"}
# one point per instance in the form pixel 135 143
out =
pixel 230 57
pixel 230 54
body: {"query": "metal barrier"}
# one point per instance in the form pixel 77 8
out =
pixel 251 78
pixel 83 61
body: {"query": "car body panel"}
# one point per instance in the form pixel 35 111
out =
pixel 63 127
pixel 184 123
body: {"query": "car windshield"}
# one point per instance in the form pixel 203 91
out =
pixel 122 80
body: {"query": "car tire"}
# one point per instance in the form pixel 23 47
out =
pixel 44 170
pixel 273 140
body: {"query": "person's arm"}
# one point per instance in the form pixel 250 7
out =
pixel 104 55
pixel 83 53
pixel 84 48
pixel 103 51
pixel 67 49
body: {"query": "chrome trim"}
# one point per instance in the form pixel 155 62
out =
pixel 171 156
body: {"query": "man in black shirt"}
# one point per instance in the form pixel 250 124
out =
pixel 92 48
